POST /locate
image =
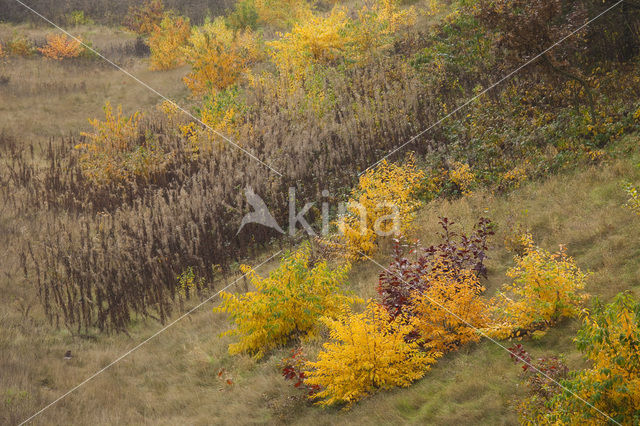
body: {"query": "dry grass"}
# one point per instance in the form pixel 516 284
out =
pixel 174 378
pixel 44 98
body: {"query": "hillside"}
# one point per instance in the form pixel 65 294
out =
pixel 293 211
pixel 173 379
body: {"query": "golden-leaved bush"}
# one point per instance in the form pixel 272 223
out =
pixel 449 313
pixel 119 151
pixel 337 38
pixel 20 45
pixel 368 352
pixel 547 287
pixel 514 177
pixel 285 305
pixel 218 56
pixel 166 41
pixel 383 204
pixel 60 46
pixel 633 201
pixel 462 176
pixel 318 40
pixel 378 25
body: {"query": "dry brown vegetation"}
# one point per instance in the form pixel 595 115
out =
pixel 106 257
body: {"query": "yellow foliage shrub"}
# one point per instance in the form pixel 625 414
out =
pixel 286 305
pixel 200 139
pixel 633 201
pixel 368 352
pixel 60 47
pixel 20 45
pixel 451 311
pixel 2 53
pixel 221 113
pixel 189 283
pixel 382 204
pixel 378 25
pixel 166 42
pixel 389 12
pixel 327 39
pixel 118 151
pixel 463 177
pixel 318 40
pixel 218 56
pixel 514 177
pixel 609 338
pixel 546 287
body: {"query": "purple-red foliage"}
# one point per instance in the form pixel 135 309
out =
pixel 456 252
pixel 292 369
pixel 541 375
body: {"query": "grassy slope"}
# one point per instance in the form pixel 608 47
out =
pixel 173 379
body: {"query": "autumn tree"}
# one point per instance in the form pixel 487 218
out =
pixel 528 29
pixel 218 56
pixel 166 41
pixel 556 31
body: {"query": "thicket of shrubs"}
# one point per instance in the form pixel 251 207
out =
pixel 193 220
pixel 75 49
pixel 394 341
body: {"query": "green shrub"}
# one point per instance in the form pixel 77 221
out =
pixel 245 15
